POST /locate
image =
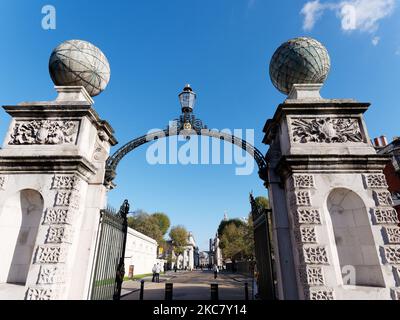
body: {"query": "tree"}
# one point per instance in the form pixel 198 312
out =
pixel 262 202
pixel 179 236
pixel 146 224
pixel 163 221
pixel 224 223
pixel 233 241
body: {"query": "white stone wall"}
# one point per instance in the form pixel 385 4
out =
pixel 141 252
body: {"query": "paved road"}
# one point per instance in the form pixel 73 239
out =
pixel 190 285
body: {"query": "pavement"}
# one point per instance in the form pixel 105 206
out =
pixel 190 285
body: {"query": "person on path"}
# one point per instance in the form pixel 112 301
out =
pixel 158 270
pixel 215 269
pixel 154 270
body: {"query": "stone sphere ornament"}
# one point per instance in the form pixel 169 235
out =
pixel 80 63
pixel 299 61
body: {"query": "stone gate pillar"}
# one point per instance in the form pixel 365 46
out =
pixel 336 235
pixel 58 149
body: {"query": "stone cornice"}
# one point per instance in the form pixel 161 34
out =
pixel 288 165
pixel 315 107
pixel 48 109
pixel 47 164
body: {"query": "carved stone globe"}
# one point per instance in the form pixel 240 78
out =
pixel 79 63
pixel 299 61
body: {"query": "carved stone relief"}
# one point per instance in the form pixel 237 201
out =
pixel 2 182
pixel 39 294
pixel 308 234
pixel 326 130
pixel 303 198
pixel 375 181
pixel 383 198
pixel 66 199
pixel 51 274
pixel 385 216
pixel 44 132
pixel 321 294
pixel 392 254
pixel 58 216
pixel 308 216
pixel 315 255
pixel 51 255
pixel 392 235
pixel 65 182
pixel 59 234
pixel 303 181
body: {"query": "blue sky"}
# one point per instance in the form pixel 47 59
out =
pixel 222 48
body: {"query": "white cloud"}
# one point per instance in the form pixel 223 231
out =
pixel 375 40
pixel 362 15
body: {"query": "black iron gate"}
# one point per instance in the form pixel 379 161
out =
pixel 109 268
pixel 263 250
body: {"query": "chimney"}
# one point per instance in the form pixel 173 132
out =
pixel 384 141
pixel 377 142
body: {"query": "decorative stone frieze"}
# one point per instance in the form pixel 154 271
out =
pixel 50 254
pixel 308 216
pixel 42 132
pixel 392 235
pixel 303 181
pixel 383 198
pixel 51 274
pixel 375 181
pixel 2 182
pixel 303 198
pixel 385 216
pixel 392 254
pixel 63 182
pixel 315 255
pixel 319 293
pixel 308 234
pixel 66 199
pixel 39 294
pixel 58 216
pixel 325 130
pixel 396 273
pixel 59 234
pixel 313 276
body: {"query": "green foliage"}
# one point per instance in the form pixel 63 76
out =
pixel 262 202
pixel 223 224
pixel 179 236
pixel 146 224
pixel 163 221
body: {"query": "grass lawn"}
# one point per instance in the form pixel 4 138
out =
pixel 140 276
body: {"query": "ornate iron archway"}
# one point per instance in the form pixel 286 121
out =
pixel 187 125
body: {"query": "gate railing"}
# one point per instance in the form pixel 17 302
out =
pixel 109 268
pixel 263 250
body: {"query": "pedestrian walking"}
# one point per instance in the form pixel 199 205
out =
pixel 158 270
pixel 154 270
pixel 215 269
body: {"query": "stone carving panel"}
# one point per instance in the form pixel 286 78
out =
pixel 58 216
pixel 375 181
pixel 66 199
pixel 303 198
pixel 40 132
pixel 51 275
pixel 392 235
pixel 57 234
pixel 385 216
pixel 50 255
pixel 326 130
pixel 321 294
pixel 308 234
pixel 315 276
pixel 65 182
pixel 383 198
pixel 392 254
pixel 396 272
pixel 39 294
pixel 303 181
pixel 315 255
pixel 2 182
pixel 308 216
